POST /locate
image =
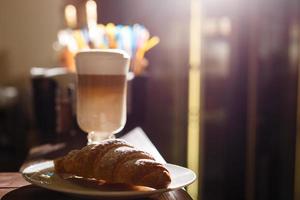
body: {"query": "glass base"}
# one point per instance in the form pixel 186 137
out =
pixel 97 137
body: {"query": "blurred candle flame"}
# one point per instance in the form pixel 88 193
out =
pixel 71 16
pixel 91 13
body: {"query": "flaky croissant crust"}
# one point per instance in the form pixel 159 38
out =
pixel 115 161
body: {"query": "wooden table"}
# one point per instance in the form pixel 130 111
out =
pixel 13 186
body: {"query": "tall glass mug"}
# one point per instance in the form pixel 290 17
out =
pixel 101 92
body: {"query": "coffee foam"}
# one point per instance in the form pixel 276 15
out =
pixel 108 61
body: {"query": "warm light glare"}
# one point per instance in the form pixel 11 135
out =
pixel 225 26
pixel 210 26
pixel 91 13
pixel 194 91
pixel 217 26
pixel 71 16
pixel 293 47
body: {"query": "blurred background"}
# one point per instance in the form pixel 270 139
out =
pixel 218 93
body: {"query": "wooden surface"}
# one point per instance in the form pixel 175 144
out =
pixel 10 182
pixel 13 186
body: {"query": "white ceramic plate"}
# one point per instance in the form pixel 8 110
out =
pixel 43 175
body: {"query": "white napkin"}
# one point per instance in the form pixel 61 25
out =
pixel 138 138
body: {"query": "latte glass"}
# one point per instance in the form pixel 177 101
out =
pixel 101 92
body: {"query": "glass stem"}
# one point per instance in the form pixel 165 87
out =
pixel 96 137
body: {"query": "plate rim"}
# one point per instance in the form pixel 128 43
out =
pixel 95 193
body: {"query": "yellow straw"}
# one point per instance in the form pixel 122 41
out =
pixel 79 39
pixel 149 44
pixel 111 31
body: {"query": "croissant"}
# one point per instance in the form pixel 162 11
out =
pixel 114 161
